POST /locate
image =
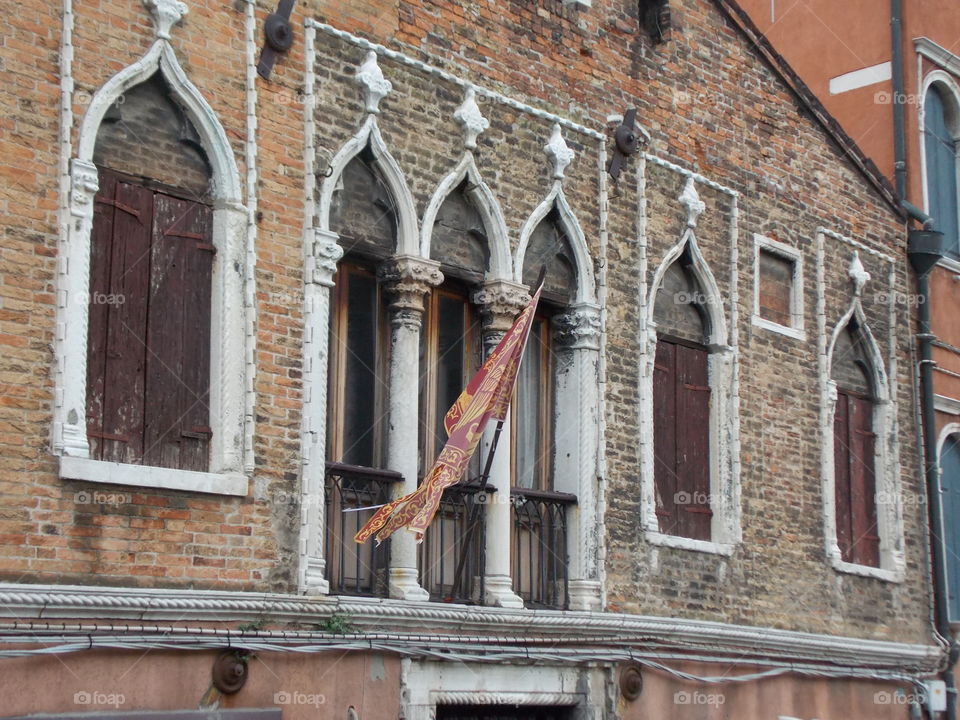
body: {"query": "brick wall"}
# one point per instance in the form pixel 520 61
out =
pixel 709 103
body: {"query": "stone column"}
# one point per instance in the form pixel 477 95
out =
pixel 576 408
pixel 407 279
pixel 323 252
pixel 499 302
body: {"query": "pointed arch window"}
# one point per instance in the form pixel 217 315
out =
pixel 950 490
pixel 854 450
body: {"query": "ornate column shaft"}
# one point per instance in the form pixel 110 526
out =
pixel 577 343
pixel 407 279
pixel 499 302
pixel 321 264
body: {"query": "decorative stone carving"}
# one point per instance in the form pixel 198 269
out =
pixel 579 328
pixel 472 120
pixel 326 254
pixel 375 86
pixel 166 14
pixel 560 155
pixel 83 188
pixel 408 279
pixel 500 302
pixel 690 199
pixel 858 274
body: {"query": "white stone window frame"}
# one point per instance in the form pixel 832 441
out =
pixel 725 529
pixel 229 467
pixel 888 498
pixel 950 87
pixel 762 243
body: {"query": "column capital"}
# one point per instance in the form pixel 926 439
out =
pixel 408 278
pixel 579 327
pixel 324 255
pixel 83 188
pixel 500 301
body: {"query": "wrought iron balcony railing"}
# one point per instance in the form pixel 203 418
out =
pixel 538 552
pixel 451 545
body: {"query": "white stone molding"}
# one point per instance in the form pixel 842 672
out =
pixel 407 280
pixel 166 14
pixel 486 205
pixel 424 684
pixel 369 134
pixel 724 412
pixel 249 296
pixel 586 287
pixel 323 253
pixel 949 87
pixel 690 199
pixel 559 154
pixel 232 283
pixel 472 120
pixel 793 255
pixel 945 404
pixel 938 54
pixel 888 497
pixel 375 86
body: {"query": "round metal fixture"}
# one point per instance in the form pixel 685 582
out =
pixel 278 32
pixel 631 682
pixel 229 672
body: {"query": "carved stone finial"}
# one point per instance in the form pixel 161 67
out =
pixel 473 121
pixel 408 279
pixel 690 199
pixel 857 273
pixel 375 86
pixel 560 155
pixel 166 14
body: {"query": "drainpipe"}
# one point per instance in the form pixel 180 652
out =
pixel 924 249
pixel 899 135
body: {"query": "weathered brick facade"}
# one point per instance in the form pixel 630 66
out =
pixel 715 111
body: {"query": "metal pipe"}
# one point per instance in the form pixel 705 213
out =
pixel 899 136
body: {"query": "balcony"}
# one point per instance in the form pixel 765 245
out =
pixel 354 569
pixel 538 553
pixel 450 545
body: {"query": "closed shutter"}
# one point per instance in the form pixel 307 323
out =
pixel 148 350
pixel 665 436
pixel 120 266
pixel 841 480
pixel 176 433
pixel 855 484
pixel 693 441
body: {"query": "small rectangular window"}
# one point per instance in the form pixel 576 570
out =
pixel 778 287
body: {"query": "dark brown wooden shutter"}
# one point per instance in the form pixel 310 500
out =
pixel 665 436
pixel 118 320
pixel 693 441
pixel 841 480
pixel 177 430
pixel 866 540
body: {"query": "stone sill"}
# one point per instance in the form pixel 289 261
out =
pixel 110 473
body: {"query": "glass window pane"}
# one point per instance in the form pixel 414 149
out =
pixel 451 361
pixel 527 412
pixel 361 377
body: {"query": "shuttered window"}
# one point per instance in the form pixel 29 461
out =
pixel 681 406
pixel 148 350
pixel 940 156
pixel 855 480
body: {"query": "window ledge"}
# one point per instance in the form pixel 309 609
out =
pixel 885 574
pixel 110 473
pixel 684 543
pixel 795 333
pixel 949 263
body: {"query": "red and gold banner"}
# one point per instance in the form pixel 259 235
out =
pixel 487 396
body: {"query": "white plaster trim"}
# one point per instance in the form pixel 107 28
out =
pixel 486 204
pixel 949 429
pixel 860 78
pixel 889 501
pixel 948 263
pixel 726 528
pixel 110 473
pixel 949 405
pixel 795 256
pixel 21 601
pixel 940 55
pixel 827 232
pixel 250 290
pixel 231 289
pixel 579 3
pixel 586 288
pixel 369 133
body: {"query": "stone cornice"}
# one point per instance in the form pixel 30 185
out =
pixel 22 602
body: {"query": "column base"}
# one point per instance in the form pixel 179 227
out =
pixel 584 595
pixel 314 581
pixel 404 585
pixel 498 592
